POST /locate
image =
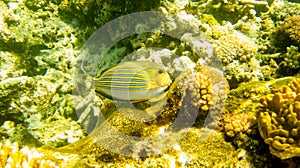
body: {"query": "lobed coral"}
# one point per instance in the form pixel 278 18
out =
pixel 197 87
pixel 279 120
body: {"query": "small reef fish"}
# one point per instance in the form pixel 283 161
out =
pixel 134 81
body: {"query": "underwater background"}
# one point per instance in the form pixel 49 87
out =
pixel 240 58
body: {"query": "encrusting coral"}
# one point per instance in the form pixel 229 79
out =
pixel 279 120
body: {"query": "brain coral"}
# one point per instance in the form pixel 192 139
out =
pixel 279 121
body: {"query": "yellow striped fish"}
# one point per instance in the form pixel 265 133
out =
pixel 134 81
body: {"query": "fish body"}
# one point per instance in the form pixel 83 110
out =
pixel 134 81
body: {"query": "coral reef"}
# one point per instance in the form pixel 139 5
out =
pixel 271 21
pixel 41 102
pixel 193 150
pixel 40 41
pixel 279 120
pixel 35 84
pixel 224 10
pixel 46 30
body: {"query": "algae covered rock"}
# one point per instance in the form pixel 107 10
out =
pixel 279 121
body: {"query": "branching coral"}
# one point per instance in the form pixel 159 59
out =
pixel 279 121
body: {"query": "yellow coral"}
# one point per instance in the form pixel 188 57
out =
pixel 240 123
pixel 235 46
pixel 204 88
pixel 279 121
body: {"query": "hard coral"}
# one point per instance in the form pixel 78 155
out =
pixel 203 88
pixel 237 124
pixel 288 33
pixel 235 46
pixel 279 121
pixel 238 54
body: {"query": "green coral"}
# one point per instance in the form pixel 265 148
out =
pixel 279 120
pixel 280 10
pixel 36 101
pixel 45 29
pixel 271 31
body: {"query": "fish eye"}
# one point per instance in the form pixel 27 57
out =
pixel 160 71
